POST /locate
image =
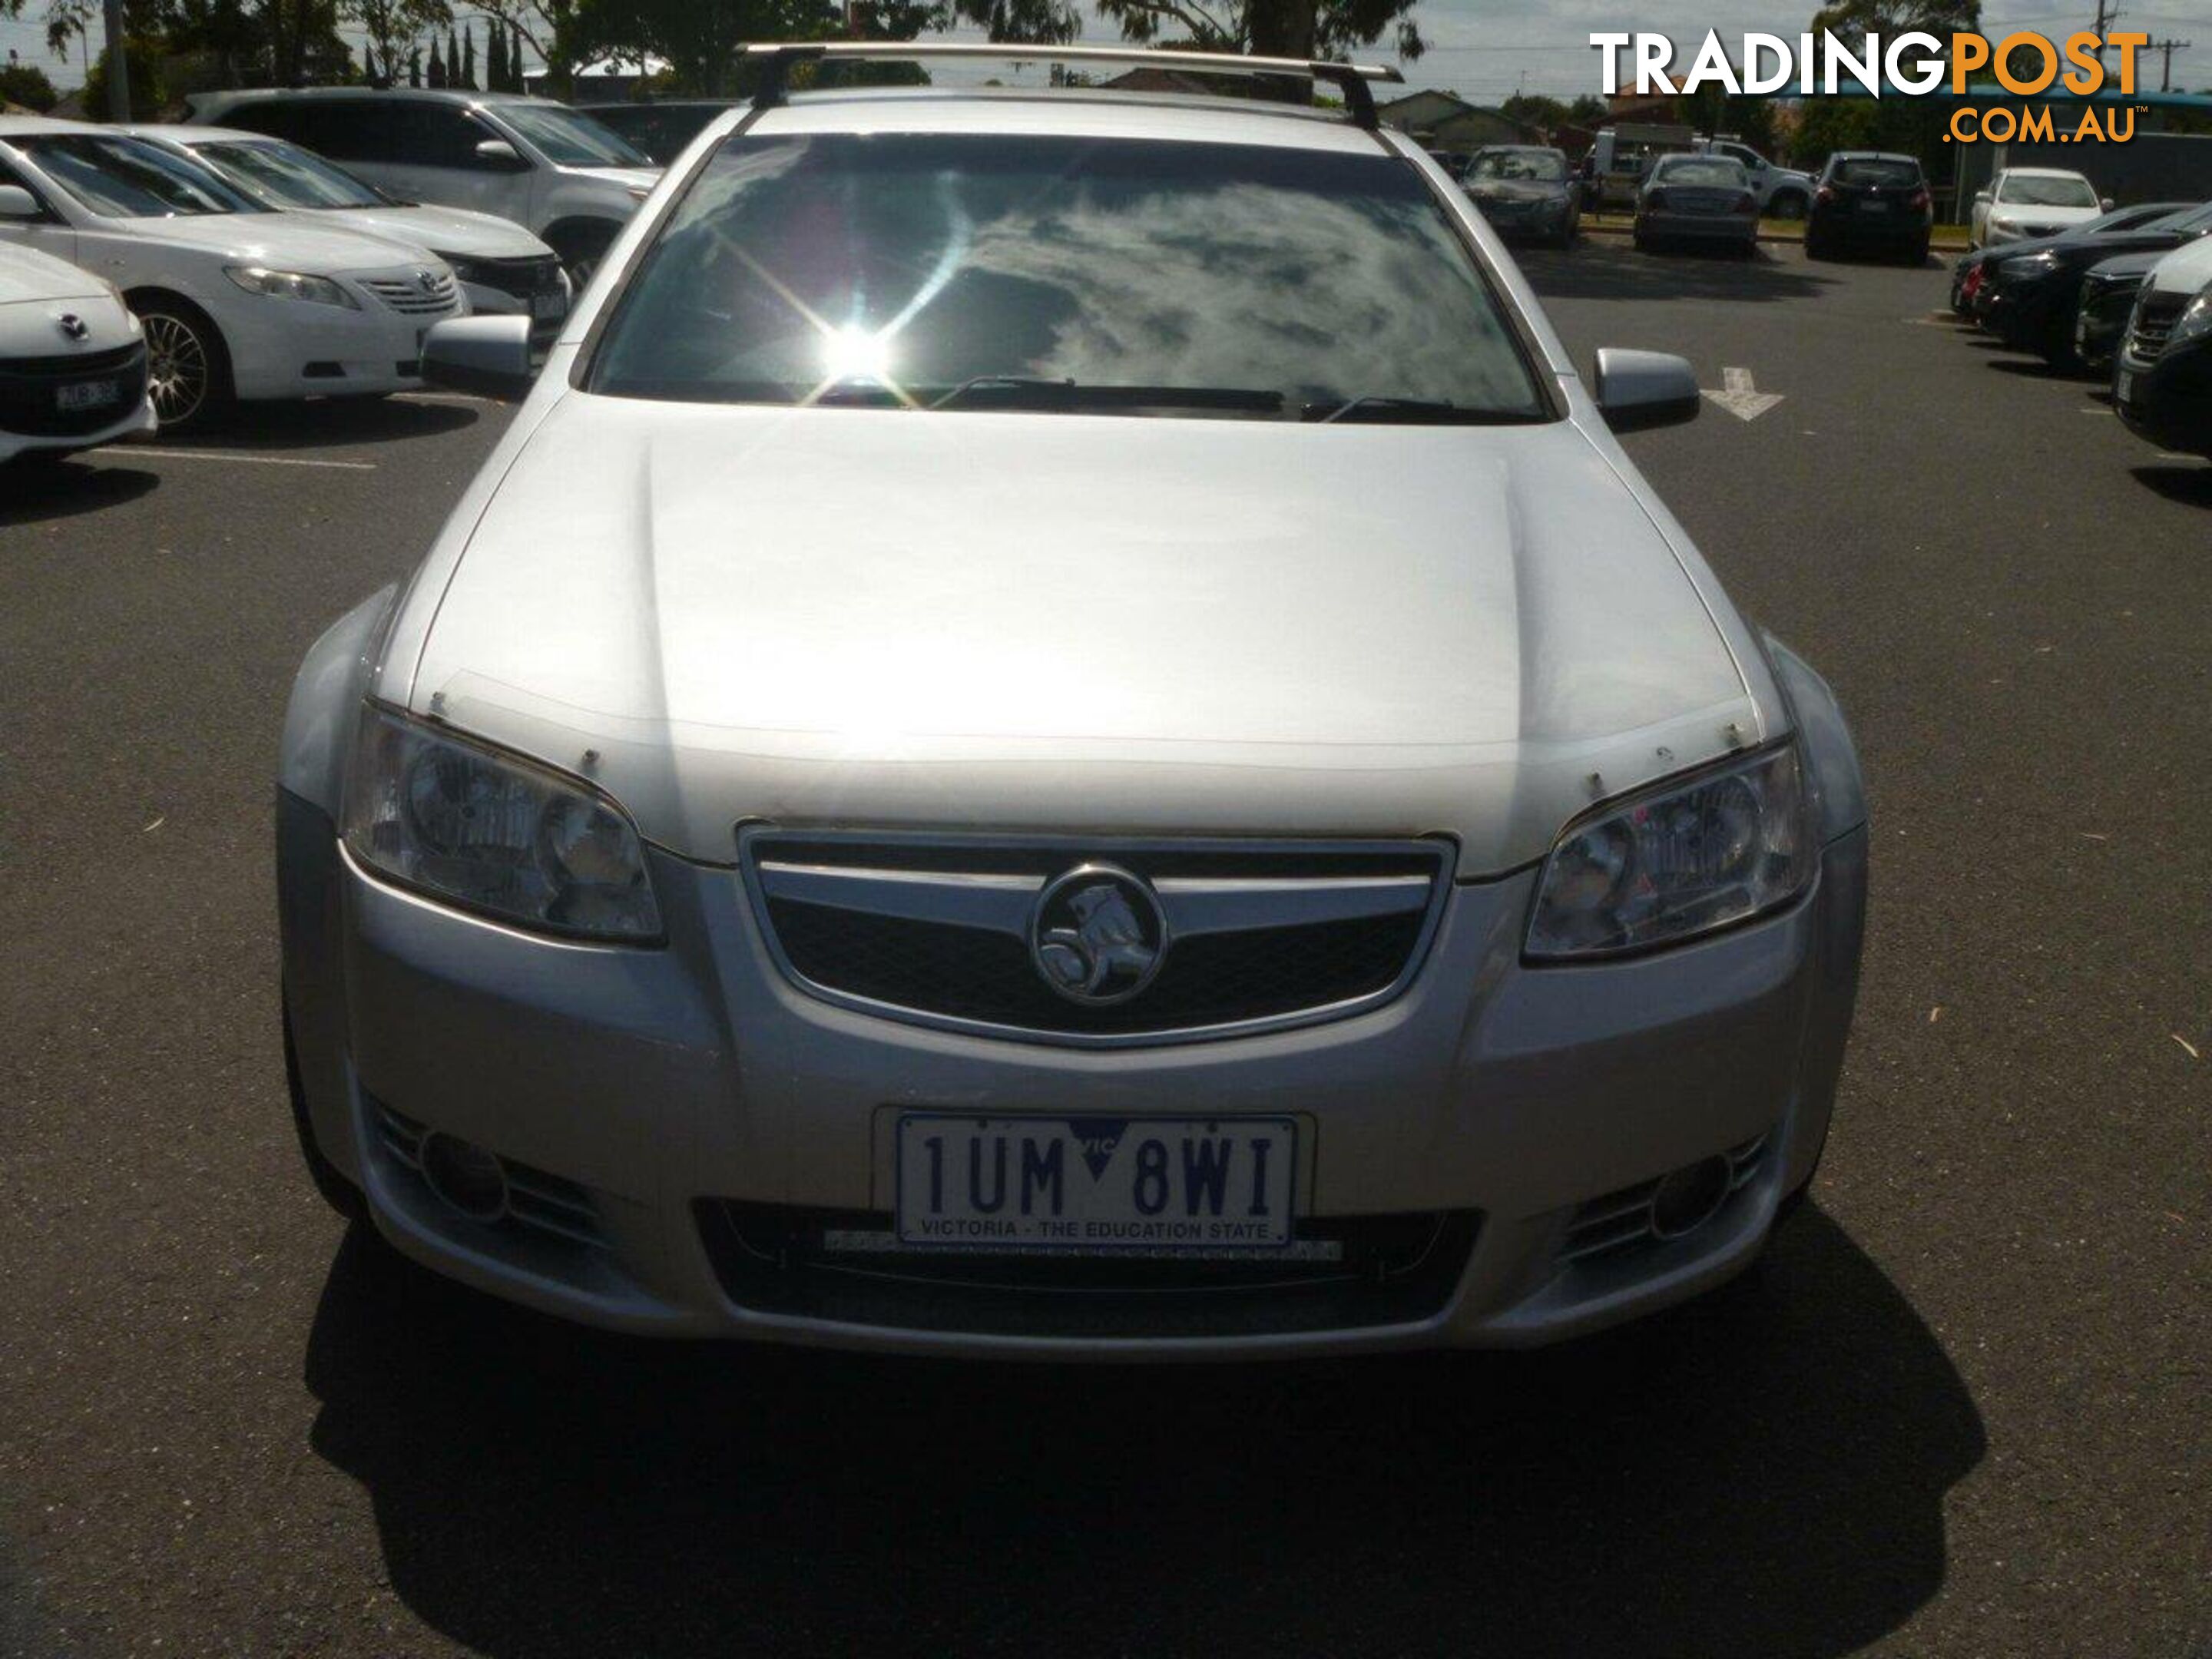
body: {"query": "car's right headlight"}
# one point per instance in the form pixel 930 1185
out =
pixel 1682 858
pixel 290 285
pixel 2196 320
pixel 494 833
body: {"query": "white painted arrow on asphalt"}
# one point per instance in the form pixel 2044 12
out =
pixel 1741 399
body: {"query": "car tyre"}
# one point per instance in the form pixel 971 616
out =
pixel 187 365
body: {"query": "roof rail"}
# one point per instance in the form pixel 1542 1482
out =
pixel 776 60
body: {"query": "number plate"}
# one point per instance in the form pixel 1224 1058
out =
pixel 86 394
pixel 545 306
pixel 1182 1187
pixel 2124 386
pixel 1874 207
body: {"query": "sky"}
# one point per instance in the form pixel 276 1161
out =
pixel 1486 50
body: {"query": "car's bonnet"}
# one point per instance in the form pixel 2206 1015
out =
pixel 26 274
pixel 1041 622
pixel 284 239
pixel 2187 269
pixel 447 230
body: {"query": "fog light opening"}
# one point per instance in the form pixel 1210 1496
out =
pixel 1690 1197
pixel 464 1177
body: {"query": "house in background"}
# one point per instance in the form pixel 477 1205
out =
pixel 1442 121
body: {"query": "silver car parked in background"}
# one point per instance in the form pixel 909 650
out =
pixel 1060 728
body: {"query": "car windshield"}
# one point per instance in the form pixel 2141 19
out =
pixel 128 178
pixel 1712 172
pixel 1105 276
pixel 2047 192
pixel 569 139
pixel 284 175
pixel 1872 170
pixel 1538 167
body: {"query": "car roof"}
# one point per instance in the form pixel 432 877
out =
pixel 1880 155
pixel 230 100
pixel 2047 172
pixel 1074 111
pixel 186 133
pixel 23 126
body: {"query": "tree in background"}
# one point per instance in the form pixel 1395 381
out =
pixel 1912 126
pixel 1273 28
pixel 436 78
pixel 393 26
pixel 469 58
pixel 549 28
pixel 27 84
pixel 495 59
pixel 149 92
pixel 414 66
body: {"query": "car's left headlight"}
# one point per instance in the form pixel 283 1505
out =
pixel 494 833
pixel 1683 858
pixel 290 285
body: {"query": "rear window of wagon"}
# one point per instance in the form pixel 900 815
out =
pixel 1115 276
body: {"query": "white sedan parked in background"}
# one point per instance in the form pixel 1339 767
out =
pixel 238 301
pixel 72 360
pixel 505 270
pixel 2022 202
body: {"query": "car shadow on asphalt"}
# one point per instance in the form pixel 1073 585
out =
pixel 1762 1471
pixel 327 423
pixel 2191 486
pixel 1597 269
pixel 61 490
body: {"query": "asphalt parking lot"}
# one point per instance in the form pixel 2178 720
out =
pixel 1961 1407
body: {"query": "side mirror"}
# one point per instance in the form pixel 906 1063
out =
pixel 1981 195
pixel 2106 203
pixel 500 156
pixel 488 357
pixel 16 203
pixel 1634 389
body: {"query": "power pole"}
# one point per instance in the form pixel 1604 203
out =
pixel 2107 15
pixel 2168 48
pixel 118 66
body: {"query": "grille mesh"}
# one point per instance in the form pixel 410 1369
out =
pixel 2154 320
pixel 970 973
pixel 409 296
pixel 1295 952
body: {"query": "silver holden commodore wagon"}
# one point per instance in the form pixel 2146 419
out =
pixel 1059 729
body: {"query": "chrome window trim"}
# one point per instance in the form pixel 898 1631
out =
pixel 999 895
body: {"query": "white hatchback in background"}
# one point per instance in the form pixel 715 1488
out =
pixel 2022 202
pixel 72 360
pixel 560 174
pixel 238 301
pixel 506 271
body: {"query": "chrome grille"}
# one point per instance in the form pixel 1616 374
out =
pixel 2154 318
pixel 937 930
pixel 413 296
pixel 1622 1220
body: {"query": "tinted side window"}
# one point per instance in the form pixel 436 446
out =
pixel 425 134
pixel 355 131
pixel 278 120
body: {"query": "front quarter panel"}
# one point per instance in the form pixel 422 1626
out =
pixel 326 697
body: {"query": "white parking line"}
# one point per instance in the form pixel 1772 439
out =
pixel 231 455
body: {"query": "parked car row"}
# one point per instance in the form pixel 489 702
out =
pixel 159 273
pixel 2125 296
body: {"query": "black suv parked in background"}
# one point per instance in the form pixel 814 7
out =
pixel 1869 200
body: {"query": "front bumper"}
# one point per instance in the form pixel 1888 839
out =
pixel 282 349
pixel 651 1096
pixel 1662 225
pixel 1509 219
pixel 2168 402
pixel 33 422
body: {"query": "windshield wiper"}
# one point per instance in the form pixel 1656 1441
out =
pixel 1413 412
pixel 1029 392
